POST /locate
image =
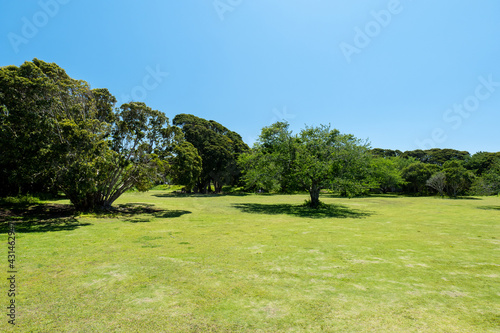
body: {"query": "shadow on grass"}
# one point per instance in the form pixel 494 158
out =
pixel 199 195
pixel 465 198
pixel 28 218
pixel 130 209
pixel 372 195
pixel 39 218
pixel 489 207
pixel 330 211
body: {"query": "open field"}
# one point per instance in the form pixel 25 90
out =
pixel 259 263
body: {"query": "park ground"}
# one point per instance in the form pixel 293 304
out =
pixel 169 262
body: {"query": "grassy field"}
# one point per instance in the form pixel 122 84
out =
pixel 258 263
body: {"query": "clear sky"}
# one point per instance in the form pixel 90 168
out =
pixel 403 74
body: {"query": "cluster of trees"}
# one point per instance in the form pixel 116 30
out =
pixel 322 158
pixel 443 171
pixel 59 135
pixel 218 148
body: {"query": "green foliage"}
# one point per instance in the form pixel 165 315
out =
pixel 218 147
pixel 33 98
pixel 186 165
pixel 416 175
pixel 458 179
pixel 481 162
pixel 379 152
pixel 57 132
pixel 268 166
pixel 22 200
pixel 316 158
pixel 386 173
pixel 489 181
pixel 436 155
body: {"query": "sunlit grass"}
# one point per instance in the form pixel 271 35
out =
pixel 194 263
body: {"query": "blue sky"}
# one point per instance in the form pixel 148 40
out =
pixel 403 74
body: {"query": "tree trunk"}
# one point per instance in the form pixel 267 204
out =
pixel 314 193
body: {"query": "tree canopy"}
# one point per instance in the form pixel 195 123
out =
pixel 218 147
pixel 315 159
pixel 58 132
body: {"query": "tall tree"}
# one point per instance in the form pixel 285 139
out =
pixel 57 131
pixel 36 97
pixel 185 165
pixel 218 147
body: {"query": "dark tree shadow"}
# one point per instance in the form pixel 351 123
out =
pixel 371 195
pixel 465 198
pixel 199 195
pixel 328 211
pixel 489 207
pixel 58 217
pixel 39 218
pixel 129 210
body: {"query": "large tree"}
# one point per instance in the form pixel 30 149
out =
pixel 185 165
pixel 316 158
pixel 37 98
pixel 59 132
pixel 218 147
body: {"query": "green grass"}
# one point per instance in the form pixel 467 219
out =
pixel 259 263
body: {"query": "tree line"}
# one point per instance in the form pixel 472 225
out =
pixel 58 135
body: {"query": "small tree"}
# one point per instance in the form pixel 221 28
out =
pixel 438 182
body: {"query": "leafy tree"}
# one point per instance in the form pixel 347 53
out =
pixel 379 152
pixel 36 98
pixel 386 173
pixel 436 155
pixel 59 132
pixel 458 179
pixel 419 155
pixel 438 182
pixel 489 182
pixel 440 156
pixel 416 176
pixel 481 162
pixel 218 147
pixel 316 158
pixel 186 165
pixel 269 165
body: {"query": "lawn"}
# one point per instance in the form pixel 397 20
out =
pixel 258 263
